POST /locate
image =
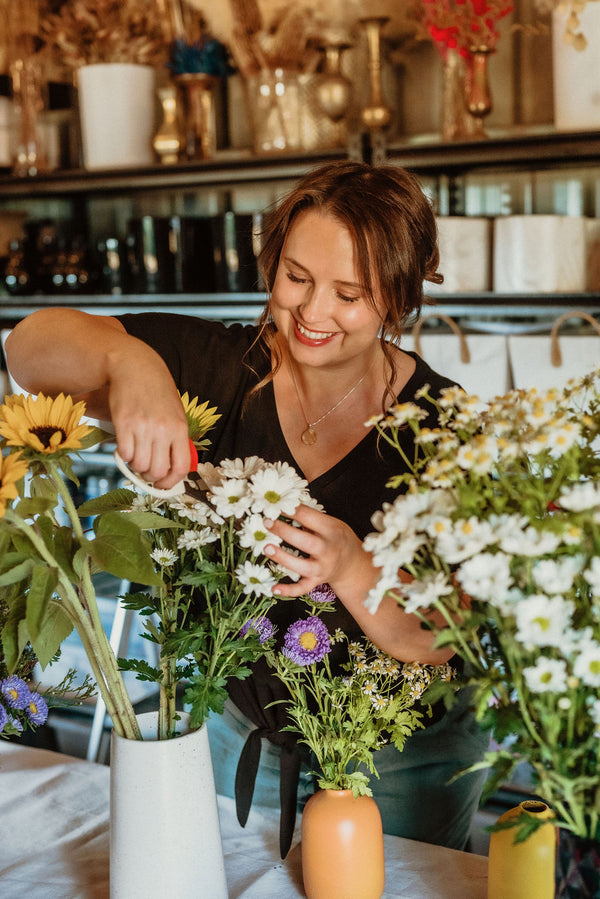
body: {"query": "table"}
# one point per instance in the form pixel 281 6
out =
pixel 54 841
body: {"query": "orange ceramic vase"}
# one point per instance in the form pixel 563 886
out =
pixel 342 846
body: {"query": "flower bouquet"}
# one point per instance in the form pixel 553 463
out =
pixel 347 699
pixel 498 524
pixel 198 554
pixel 346 711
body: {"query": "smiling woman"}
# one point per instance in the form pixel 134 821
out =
pixel 344 258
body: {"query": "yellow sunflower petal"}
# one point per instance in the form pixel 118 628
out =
pixel 45 424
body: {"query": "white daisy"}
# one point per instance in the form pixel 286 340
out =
pixel 556 575
pixel 422 594
pixel 587 662
pixel 164 557
pixel 240 468
pixel 530 542
pixel 579 497
pixel 254 535
pixel 592 575
pixel 486 576
pixel 546 676
pixel 231 498
pixel 255 579
pixel 276 490
pixel 543 620
pixel 196 539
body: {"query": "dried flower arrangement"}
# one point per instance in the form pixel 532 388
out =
pixel 465 24
pixel 97 31
pixel 572 8
pixel 288 40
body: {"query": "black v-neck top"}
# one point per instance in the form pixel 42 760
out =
pixel 222 364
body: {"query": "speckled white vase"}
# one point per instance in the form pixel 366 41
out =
pixel 165 838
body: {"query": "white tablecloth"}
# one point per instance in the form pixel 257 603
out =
pixel 54 841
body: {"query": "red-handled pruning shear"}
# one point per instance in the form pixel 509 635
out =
pixel 158 492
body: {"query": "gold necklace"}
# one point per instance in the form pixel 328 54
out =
pixel 309 435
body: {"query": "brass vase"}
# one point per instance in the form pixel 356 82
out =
pixel 479 97
pixel 377 114
pixel 457 122
pixel 334 90
pixel 167 141
pixel 197 90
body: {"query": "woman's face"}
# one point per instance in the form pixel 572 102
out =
pixel 318 304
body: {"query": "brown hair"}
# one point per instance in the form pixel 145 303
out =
pixel 392 226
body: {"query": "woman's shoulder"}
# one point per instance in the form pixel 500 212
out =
pixel 176 325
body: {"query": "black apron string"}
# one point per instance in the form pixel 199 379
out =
pixel 289 767
pixel 245 775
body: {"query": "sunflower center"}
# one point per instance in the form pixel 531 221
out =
pixel 46 434
pixel 307 640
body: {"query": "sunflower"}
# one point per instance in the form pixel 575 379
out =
pixel 200 419
pixel 12 469
pixel 45 424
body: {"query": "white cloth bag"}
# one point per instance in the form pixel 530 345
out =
pixel 478 362
pixel 548 361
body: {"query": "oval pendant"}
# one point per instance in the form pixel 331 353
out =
pixel 309 436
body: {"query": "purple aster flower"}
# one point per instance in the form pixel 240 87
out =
pixel 37 710
pixel 15 692
pixel 307 641
pixel 15 723
pixel 3 718
pixel 322 593
pixel 263 627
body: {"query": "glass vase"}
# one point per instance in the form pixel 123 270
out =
pixel 276 111
pixel 577 867
pixel 29 157
pixel 457 122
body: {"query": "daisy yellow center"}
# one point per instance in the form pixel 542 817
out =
pixel 307 640
pixel 272 496
pixel 595 667
pixel 49 435
pixel 543 623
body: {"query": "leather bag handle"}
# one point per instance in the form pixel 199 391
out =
pixel 555 353
pixel 465 355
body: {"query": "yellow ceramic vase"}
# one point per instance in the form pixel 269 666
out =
pixel 523 870
pixel 342 846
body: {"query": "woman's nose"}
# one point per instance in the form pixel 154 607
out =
pixel 315 306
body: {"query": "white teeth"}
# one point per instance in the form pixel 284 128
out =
pixel 314 335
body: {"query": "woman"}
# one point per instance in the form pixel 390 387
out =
pixel 344 258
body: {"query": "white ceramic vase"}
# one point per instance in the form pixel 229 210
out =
pixel 164 822
pixel 117 112
pixel 575 72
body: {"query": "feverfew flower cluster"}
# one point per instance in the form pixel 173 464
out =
pixel 346 709
pixel 217 584
pixel 500 526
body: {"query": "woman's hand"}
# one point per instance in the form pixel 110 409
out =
pixel 330 551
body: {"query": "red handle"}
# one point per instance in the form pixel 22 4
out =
pixel 193 457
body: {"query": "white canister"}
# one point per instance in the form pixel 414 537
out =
pixel 576 73
pixel 540 254
pixel 465 255
pixel 117 112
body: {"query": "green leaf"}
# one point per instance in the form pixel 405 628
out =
pixel 14 633
pixel 144 671
pixel 43 584
pixel 119 549
pixel 153 521
pixel 115 501
pixel 63 550
pixel 56 627
pixel 19 571
pixel 30 506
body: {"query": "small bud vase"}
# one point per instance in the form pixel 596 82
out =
pixel 164 821
pixel 342 846
pixel 525 869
